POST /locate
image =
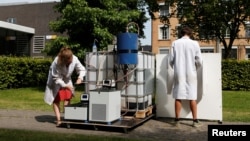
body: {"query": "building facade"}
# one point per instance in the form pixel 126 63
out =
pixel 162 38
pixel 20 41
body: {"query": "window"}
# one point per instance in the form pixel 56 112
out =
pixel 248 56
pixel 11 20
pixel 163 50
pixel 247 29
pixel 164 9
pixel 247 32
pixel 38 44
pixel 180 9
pixel 207 49
pixel 182 6
pixel 247 53
pixel 227 33
pixel 178 31
pixel 202 31
pixel 163 32
pixel 22 43
pixel 233 54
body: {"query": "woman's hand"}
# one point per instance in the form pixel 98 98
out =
pixel 78 81
pixel 71 88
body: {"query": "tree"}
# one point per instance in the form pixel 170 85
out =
pixel 87 20
pixel 211 19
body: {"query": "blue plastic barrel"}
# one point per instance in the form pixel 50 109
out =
pixel 127 48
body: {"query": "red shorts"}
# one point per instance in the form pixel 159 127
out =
pixel 63 94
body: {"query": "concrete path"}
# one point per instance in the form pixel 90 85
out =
pixel 159 129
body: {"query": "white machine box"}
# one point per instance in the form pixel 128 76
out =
pixel 104 105
pixel 76 112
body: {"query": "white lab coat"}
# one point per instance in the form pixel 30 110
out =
pixel 183 62
pixel 60 76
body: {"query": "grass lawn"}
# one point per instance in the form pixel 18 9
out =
pixel 235 104
pixel 28 99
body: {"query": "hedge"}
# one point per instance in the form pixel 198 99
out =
pixel 19 72
pixel 235 75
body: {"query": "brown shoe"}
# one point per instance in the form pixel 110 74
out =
pixel 58 123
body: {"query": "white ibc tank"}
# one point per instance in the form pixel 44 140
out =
pixel 99 67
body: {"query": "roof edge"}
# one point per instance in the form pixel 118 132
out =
pixel 17 27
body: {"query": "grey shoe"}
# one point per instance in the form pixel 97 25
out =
pixel 176 122
pixel 197 123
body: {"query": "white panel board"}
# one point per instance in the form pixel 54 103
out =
pixel 209 99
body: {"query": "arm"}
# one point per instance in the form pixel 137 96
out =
pixel 80 70
pixel 56 74
pixel 170 71
pixel 171 57
pixel 198 58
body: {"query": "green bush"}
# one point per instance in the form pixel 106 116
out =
pixel 20 72
pixel 17 72
pixel 235 75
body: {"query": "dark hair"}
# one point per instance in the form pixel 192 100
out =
pixel 186 31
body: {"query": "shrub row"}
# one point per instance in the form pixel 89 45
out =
pixel 17 72
pixel 235 75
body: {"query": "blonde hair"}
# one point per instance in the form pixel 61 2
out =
pixel 64 55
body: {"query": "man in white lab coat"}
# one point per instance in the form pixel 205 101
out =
pixel 185 59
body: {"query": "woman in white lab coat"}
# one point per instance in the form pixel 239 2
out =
pixel 59 84
pixel 185 58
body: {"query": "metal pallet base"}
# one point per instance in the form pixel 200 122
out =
pixel 126 123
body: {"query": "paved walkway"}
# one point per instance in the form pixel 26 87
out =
pixel 159 129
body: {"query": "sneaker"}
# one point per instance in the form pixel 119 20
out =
pixel 176 122
pixel 196 123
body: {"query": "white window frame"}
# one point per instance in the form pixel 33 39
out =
pixel 247 34
pixel 11 20
pixel 164 50
pixel 207 48
pixel 179 13
pixel 227 33
pixel 178 31
pixel 163 9
pixel 247 53
pixel 163 35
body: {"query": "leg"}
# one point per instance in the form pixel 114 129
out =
pixel 56 108
pixel 67 97
pixel 178 106
pixel 66 102
pixel 193 107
